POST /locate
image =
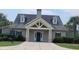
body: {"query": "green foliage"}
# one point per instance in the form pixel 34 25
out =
pixel 20 38
pixel 70 23
pixel 63 40
pixel 3 20
pixel 6 37
pixel 66 40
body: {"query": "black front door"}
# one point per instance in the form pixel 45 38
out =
pixel 38 36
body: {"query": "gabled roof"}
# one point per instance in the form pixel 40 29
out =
pixel 42 21
pixel 30 17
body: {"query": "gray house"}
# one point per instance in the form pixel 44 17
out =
pixel 36 28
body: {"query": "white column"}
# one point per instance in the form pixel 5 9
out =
pixel 27 35
pixel 50 36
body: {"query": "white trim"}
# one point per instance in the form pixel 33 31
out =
pixel 27 35
pixel 35 37
pixel 31 21
pixel 50 36
pixel 22 18
pixel 39 20
pixel 58 32
pixel 39 28
pixel 55 20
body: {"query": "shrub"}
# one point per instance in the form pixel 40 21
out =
pixel 63 40
pixel 20 38
pixel 58 40
pixel 7 37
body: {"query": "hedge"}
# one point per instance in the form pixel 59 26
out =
pixel 66 40
pixel 7 37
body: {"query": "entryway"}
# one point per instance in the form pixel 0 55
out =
pixel 38 36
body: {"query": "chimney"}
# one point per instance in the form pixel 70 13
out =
pixel 38 13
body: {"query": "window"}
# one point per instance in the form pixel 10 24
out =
pixel 54 21
pixel 57 34
pixel 25 19
pixel 18 33
pixel 12 32
pixel 22 18
pixel 77 27
pixel 0 31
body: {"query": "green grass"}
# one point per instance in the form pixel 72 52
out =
pixel 8 43
pixel 71 46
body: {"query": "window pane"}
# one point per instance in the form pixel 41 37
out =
pixel 57 34
pixel 54 20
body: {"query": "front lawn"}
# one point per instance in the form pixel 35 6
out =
pixel 9 43
pixel 71 46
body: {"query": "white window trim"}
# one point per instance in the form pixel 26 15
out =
pixel 35 37
pixel 77 27
pixel 54 19
pixel 22 18
pixel 59 32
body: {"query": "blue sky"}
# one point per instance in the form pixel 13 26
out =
pixel 64 14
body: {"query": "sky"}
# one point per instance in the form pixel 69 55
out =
pixel 64 14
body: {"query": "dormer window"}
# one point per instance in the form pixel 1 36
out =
pixel 54 21
pixel 22 18
pixel 25 19
pixel 77 27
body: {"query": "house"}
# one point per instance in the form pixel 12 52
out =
pixel 36 28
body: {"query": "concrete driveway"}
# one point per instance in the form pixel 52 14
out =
pixel 34 46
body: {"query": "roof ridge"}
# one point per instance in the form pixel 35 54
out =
pixel 36 14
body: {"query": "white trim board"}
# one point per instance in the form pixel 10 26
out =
pixel 39 20
pixel 35 37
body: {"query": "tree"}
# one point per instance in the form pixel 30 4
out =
pixel 3 20
pixel 71 24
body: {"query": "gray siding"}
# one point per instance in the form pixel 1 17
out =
pixel 6 31
pixel 63 33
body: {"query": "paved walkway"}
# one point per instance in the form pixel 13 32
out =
pixel 34 46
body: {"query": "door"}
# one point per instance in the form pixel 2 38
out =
pixel 38 36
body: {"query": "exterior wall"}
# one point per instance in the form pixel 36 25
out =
pixel 63 33
pixel 23 32
pixel 32 35
pixel 45 35
pixel 6 31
